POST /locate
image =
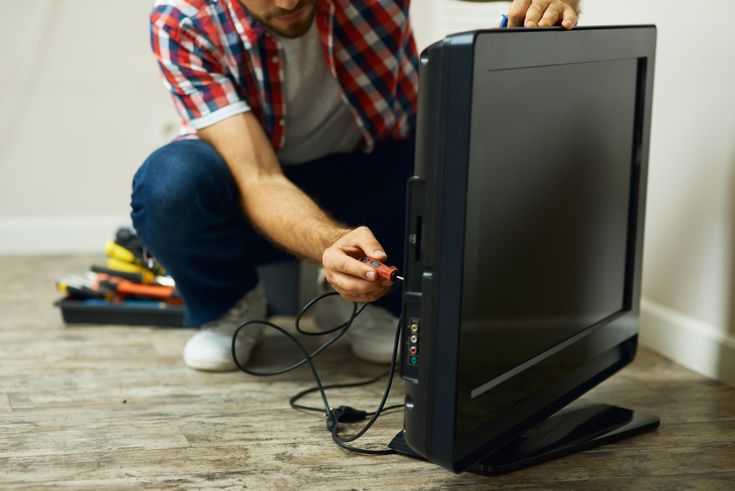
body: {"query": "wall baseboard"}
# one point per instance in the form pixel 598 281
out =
pixel 690 342
pixel 65 234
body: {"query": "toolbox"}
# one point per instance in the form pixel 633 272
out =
pixel 131 289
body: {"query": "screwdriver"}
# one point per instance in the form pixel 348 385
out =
pixel 117 252
pixel 389 273
pixel 134 273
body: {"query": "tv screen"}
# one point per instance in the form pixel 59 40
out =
pixel 525 230
pixel 546 227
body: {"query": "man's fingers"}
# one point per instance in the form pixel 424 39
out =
pixel 570 18
pixel 535 12
pixel 517 12
pixel 354 280
pixel 355 289
pixel 363 238
pixel 541 13
pixel 552 16
pixel 351 285
pixel 337 261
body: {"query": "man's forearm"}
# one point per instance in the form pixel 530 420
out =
pixel 289 217
pixel 273 204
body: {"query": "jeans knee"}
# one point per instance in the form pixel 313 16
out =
pixel 178 187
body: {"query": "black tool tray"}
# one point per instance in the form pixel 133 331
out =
pixel 79 312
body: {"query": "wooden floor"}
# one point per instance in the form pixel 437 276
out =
pixel 107 407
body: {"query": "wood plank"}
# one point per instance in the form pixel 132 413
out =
pixel 5 406
pixel 136 468
pixel 25 436
pixel 242 466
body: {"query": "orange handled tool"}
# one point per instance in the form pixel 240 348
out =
pixel 160 292
pixel 125 287
pixel 389 273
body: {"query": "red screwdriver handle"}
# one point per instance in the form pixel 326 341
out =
pixel 386 272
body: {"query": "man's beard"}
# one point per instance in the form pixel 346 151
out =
pixel 293 30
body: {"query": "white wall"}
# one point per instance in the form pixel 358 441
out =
pixel 81 105
pixel 434 19
pixel 689 272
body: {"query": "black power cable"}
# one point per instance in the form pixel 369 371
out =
pixel 341 414
pixel 293 401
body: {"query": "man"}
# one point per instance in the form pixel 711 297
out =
pixel 299 118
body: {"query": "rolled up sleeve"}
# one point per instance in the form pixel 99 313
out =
pixel 203 92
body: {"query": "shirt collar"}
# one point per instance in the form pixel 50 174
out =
pixel 249 29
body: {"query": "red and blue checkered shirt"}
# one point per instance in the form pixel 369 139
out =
pixel 217 61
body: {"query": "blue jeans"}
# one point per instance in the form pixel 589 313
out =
pixel 187 210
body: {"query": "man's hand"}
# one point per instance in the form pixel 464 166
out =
pixel 543 13
pixel 353 280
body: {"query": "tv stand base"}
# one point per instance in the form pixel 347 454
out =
pixel 579 426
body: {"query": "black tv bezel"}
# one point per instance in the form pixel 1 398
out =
pixel 436 229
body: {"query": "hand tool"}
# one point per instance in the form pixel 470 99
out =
pixel 113 288
pixel 125 267
pixel 128 288
pixel 128 238
pixel 116 251
pixel 79 287
pixel 143 276
pixel 389 273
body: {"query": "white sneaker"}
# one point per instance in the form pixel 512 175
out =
pixel 211 348
pixel 330 311
pixel 372 333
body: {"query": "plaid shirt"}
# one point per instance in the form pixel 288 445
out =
pixel 217 61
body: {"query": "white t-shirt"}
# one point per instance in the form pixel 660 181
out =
pixel 318 121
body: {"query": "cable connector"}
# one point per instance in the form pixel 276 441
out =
pixel 344 414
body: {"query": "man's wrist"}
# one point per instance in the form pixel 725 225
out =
pixel 331 235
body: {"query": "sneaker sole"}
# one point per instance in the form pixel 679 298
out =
pixel 206 365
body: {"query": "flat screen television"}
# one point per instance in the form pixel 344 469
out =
pixel 525 238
